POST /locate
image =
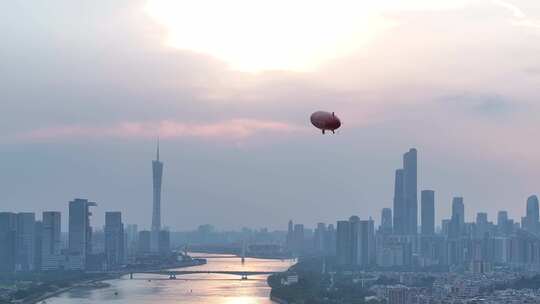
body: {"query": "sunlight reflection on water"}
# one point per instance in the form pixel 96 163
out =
pixel 199 288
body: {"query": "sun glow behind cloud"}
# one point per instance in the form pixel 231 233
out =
pixel 256 35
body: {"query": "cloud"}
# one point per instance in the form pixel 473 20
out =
pixel 519 14
pixel 516 11
pixel 233 129
pixel 110 77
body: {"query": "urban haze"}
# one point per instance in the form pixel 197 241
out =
pixel 307 151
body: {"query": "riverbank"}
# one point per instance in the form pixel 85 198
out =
pixel 203 287
pixel 94 283
pixel 88 284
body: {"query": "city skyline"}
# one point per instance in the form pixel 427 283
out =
pixel 399 187
pixel 405 184
pixel 35 244
pixel 254 151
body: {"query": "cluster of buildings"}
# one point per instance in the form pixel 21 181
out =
pixel 39 245
pixel 30 244
pixel 301 241
pixel 406 241
pixel 466 288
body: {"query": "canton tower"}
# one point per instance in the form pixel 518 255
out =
pixel 157 173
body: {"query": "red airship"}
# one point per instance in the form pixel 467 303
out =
pixel 325 121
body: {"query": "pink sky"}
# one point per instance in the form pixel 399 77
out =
pixel 457 79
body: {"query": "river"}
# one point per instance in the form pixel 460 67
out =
pixel 186 289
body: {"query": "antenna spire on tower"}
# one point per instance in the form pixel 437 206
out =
pixel 157 153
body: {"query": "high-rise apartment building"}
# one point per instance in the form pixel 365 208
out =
pixel 366 243
pixel 51 242
pixel 343 243
pixel 427 200
pixel 355 247
pixel 144 242
pixel 8 237
pixel 164 242
pixel 80 233
pixel 114 239
pixel 298 239
pixel 132 235
pixel 319 238
pixel 457 222
pixel 26 241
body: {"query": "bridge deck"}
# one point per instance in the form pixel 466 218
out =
pixel 217 257
pixel 185 272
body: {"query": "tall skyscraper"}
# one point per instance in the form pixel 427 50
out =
pixel 428 212
pixel 289 239
pixel 458 209
pixel 343 243
pixel 504 224
pixel 132 234
pixel 330 240
pixel 8 236
pixel 366 243
pixel 532 207
pixel 386 221
pixel 356 242
pixel 80 233
pixel 531 220
pixel 458 217
pixel 502 218
pixel 481 218
pixel 38 242
pixel 157 174
pixel 164 242
pixel 298 239
pixel 114 239
pixel 26 239
pixel 406 196
pixel 319 238
pixel 144 242
pixel 410 187
pixel 354 224
pixel 400 215
pixel 51 243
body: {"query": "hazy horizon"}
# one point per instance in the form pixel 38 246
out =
pixel 88 87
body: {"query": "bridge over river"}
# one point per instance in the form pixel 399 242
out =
pixel 173 273
pixel 215 256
